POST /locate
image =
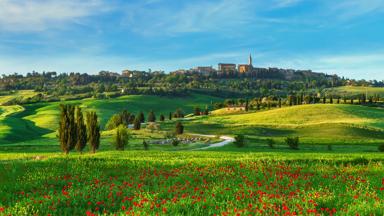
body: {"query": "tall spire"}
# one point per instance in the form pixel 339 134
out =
pixel 250 59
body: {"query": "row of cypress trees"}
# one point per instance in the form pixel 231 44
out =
pixel 75 132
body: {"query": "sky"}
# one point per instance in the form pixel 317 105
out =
pixel 343 37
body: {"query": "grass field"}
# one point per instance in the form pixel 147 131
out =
pixel 191 183
pixel 356 90
pixel 320 124
pixel 344 179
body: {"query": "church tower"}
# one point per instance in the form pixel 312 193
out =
pixel 250 60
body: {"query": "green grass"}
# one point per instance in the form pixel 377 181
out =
pixel 314 124
pixel 22 94
pixel 191 183
pixel 40 120
pixel 356 90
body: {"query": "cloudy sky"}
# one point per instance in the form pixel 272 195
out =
pixel 345 37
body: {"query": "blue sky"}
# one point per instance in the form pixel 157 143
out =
pixel 345 37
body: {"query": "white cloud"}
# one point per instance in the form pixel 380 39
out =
pixel 348 9
pixel 154 17
pixel 39 15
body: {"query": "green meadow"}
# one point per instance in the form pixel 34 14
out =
pixel 337 169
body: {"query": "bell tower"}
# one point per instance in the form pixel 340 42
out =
pixel 250 60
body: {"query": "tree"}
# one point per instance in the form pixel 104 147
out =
pixel 293 142
pixel 67 128
pixel 279 102
pixel 151 117
pixel 81 131
pixel 179 128
pixel 197 111
pixel 137 123
pixel 121 137
pixel 146 145
pixel 141 117
pixel 114 122
pixel 240 140
pixel 93 129
pixel 179 114
pixel 162 118
pixel 170 116
pixel 381 148
pixel 125 117
pixel 175 142
pixel 271 143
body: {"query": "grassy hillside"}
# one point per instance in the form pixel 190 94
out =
pixel 315 124
pixel 356 90
pixel 23 94
pixel 37 120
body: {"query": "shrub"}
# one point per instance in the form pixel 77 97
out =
pixel 240 140
pixel 151 126
pixel 121 137
pixel 271 143
pixel 175 142
pixel 293 142
pixel 329 147
pixel 381 148
pixel 146 145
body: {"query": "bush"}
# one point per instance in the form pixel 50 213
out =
pixel 175 142
pixel 381 148
pixel 240 140
pixel 271 143
pixel 146 145
pixel 329 147
pixel 121 137
pixel 293 142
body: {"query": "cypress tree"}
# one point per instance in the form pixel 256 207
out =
pixel 93 129
pixel 246 105
pixel 137 123
pixel 197 111
pixel 151 117
pixel 81 131
pixel 179 128
pixel 279 102
pixel 67 128
pixel 170 116
pixel 121 137
pixel 206 111
pixel 162 118
pixel 125 116
pixel 141 117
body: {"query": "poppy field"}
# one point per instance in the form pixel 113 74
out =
pixel 187 183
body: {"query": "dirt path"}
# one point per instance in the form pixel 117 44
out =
pixel 226 140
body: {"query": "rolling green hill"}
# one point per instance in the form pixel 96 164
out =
pixel 356 90
pixel 317 124
pixel 41 120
